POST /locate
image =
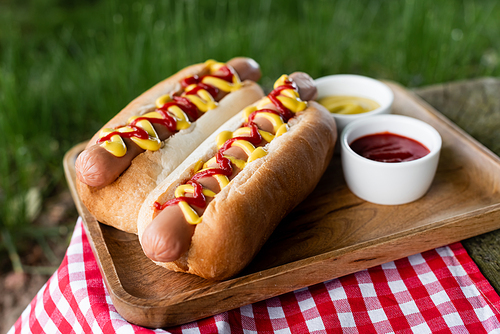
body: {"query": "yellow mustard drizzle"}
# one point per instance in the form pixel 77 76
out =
pixel 203 101
pixel 117 146
pixel 186 209
pixel 289 98
pixel 219 83
pixel 348 105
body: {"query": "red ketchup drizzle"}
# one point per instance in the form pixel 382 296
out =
pixel 137 132
pixel 187 106
pixel 224 164
pixel 192 80
pixel 198 198
pixel 389 147
pixel 224 168
pixel 254 137
pixel 210 89
pixel 226 75
pixel 285 113
pixel 168 120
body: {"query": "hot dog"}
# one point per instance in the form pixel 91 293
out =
pixel 152 135
pixel 215 211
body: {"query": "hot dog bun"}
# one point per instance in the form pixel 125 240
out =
pixel 118 203
pixel 242 216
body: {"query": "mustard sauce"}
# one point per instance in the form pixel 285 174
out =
pixel 348 105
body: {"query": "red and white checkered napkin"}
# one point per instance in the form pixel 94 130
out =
pixel 439 291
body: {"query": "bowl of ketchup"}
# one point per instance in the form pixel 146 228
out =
pixel 349 97
pixel 389 159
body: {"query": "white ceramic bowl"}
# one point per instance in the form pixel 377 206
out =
pixel 355 85
pixel 390 183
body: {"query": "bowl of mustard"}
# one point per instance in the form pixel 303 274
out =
pixel 350 97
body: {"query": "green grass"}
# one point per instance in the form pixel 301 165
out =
pixel 66 68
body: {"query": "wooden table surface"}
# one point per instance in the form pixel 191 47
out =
pixel 474 105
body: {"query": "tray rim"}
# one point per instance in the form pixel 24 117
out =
pixel 121 298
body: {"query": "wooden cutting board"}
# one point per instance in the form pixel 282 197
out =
pixel 331 234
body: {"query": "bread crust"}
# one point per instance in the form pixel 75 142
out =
pixel 118 204
pixel 240 219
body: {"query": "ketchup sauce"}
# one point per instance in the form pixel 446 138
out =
pixel 389 147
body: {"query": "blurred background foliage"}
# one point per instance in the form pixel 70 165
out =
pixel 67 66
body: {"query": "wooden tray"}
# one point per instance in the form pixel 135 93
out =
pixel 331 234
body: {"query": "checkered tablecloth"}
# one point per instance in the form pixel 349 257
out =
pixel 439 291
